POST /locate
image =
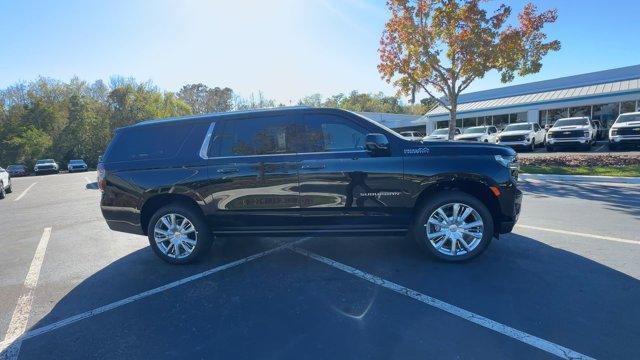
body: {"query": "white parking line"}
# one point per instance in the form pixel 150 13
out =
pixel 601 237
pixel 87 180
pixel 20 317
pixel 114 305
pixel 521 336
pixel 25 191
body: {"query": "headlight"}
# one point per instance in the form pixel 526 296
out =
pixel 587 134
pixel 506 161
pixel 614 132
pixel 549 135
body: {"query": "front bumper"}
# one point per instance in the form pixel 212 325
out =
pixel 568 141
pixel 625 139
pixel 41 171
pixel 516 144
pixel 510 206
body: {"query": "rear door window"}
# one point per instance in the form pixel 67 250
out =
pixel 257 136
pixel 148 142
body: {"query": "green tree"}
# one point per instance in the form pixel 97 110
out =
pixel 203 99
pixel 442 46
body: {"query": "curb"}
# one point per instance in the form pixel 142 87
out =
pixel 581 178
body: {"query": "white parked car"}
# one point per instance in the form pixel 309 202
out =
pixel 5 183
pixel 441 134
pixel 524 136
pixel 77 165
pixel 46 166
pixel 625 131
pixel 412 135
pixel 479 133
pixel 575 131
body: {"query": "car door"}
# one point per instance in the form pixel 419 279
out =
pixel 252 175
pixel 342 186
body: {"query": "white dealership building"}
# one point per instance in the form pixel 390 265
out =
pixel 601 95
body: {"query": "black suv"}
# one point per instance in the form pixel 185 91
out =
pixel 303 171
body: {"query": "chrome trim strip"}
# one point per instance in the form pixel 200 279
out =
pixel 285 154
pixel 207 140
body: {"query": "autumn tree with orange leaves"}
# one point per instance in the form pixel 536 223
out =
pixel 442 46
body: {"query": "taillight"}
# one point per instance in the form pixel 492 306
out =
pixel 102 183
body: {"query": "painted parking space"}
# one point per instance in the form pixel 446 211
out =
pixel 107 294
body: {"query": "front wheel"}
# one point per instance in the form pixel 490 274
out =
pixel 9 189
pixel 453 226
pixel 178 234
pixel 2 191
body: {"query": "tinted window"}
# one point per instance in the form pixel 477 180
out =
pixel 147 142
pixel 258 136
pixel 333 133
pixel 536 127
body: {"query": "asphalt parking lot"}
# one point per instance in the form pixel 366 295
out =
pixel 564 284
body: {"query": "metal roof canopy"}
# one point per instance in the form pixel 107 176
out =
pixel 582 92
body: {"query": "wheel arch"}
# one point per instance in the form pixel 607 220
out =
pixel 472 186
pixel 152 204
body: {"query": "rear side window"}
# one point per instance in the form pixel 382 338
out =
pixel 147 142
pixel 257 136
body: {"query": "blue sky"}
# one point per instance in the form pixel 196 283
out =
pixel 285 48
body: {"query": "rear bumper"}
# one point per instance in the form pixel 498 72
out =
pixel 122 219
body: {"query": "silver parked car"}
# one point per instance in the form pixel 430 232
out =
pixel 77 165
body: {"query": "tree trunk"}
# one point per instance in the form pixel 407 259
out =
pixel 452 119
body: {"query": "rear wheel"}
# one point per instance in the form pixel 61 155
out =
pixel 2 191
pixel 178 234
pixel 453 226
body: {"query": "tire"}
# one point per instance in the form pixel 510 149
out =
pixel 9 189
pixel 166 249
pixel 3 194
pixel 550 148
pixel 533 145
pixel 421 227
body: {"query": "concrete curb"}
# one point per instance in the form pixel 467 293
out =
pixel 581 178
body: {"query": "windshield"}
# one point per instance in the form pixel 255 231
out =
pixel 518 127
pixel 572 122
pixel 440 132
pixel 45 161
pixel 76 162
pixel 15 167
pixel 627 118
pixel 475 130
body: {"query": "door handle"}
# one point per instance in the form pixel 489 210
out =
pixel 312 166
pixel 228 170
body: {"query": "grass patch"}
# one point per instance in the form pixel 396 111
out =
pixel 624 171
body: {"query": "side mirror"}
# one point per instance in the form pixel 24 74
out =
pixel 377 144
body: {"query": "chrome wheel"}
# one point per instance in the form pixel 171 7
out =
pixel 175 236
pixel 454 229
